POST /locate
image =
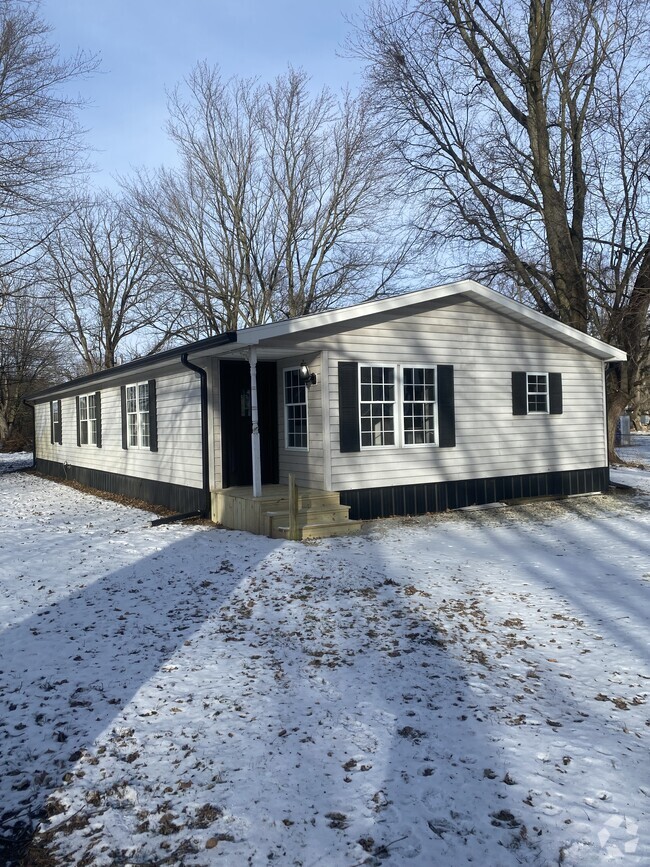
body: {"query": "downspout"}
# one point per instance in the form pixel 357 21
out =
pixel 205 453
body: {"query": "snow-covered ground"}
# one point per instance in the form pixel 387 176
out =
pixel 12 461
pixel 469 688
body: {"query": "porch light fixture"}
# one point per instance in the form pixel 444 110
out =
pixel 306 375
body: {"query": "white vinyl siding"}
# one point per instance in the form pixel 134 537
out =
pixel 484 347
pixel 178 459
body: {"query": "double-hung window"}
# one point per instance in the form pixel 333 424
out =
pixel 397 405
pixel 419 405
pixel 537 392
pixel 295 410
pixel 377 405
pixel 88 429
pixel 56 422
pixel 137 415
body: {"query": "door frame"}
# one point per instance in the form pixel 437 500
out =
pixel 230 401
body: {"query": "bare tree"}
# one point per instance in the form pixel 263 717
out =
pixel 40 140
pixel 104 291
pixel 275 209
pixel 526 127
pixel 30 358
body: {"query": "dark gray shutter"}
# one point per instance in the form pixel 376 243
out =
pixel 519 393
pixel 555 393
pixel 52 430
pixel 125 441
pixel 59 438
pixel 446 407
pixel 78 424
pixel 349 406
pixel 153 417
pixel 98 416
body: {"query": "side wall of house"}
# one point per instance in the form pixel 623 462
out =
pixel 484 349
pixel 172 475
pixel 531 454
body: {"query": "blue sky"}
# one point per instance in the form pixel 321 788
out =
pixel 148 46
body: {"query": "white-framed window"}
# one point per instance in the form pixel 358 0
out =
pixel 377 406
pixel 537 392
pixel 419 406
pixel 55 412
pixel 137 416
pixel 296 434
pixel 88 420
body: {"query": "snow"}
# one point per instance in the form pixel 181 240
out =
pixel 467 688
pixel 9 462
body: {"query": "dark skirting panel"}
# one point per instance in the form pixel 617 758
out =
pixel 418 499
pixel 178 498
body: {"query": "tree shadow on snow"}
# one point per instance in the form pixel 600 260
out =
pixel 68 670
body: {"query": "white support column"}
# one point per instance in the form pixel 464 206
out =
pixel 255 433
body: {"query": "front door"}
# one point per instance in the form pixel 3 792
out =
pixel 237 462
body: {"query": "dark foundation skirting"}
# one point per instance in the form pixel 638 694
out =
pixel 178 498
pixel 418 499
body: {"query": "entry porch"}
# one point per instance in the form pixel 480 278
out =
pixel 319 513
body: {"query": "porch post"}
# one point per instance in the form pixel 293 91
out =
pixel 255 433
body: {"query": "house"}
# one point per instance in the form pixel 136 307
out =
pixel 435 399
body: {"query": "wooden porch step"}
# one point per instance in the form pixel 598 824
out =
pixel 322 531
pixel 320 513
pixel 334 514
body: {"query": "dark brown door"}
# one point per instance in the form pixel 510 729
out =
pixel 237 463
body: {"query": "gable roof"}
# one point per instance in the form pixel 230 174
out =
pixel 354 316
pixel 408 303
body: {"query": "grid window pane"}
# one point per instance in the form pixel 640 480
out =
pixel 144 430
pixel 419 407
pixel 295 405
pixel 377 407
pixel 132 423
pixel 143 397
pixel 83 421
pixel 92 420
pixel 143 411
pixel 132 415
pixel 137 416
pixel 537 388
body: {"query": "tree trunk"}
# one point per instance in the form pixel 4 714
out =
pixel 616 403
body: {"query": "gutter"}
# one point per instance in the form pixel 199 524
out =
pixel 130 367
pixel 205 454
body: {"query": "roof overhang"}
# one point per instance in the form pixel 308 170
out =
pixel 278 339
